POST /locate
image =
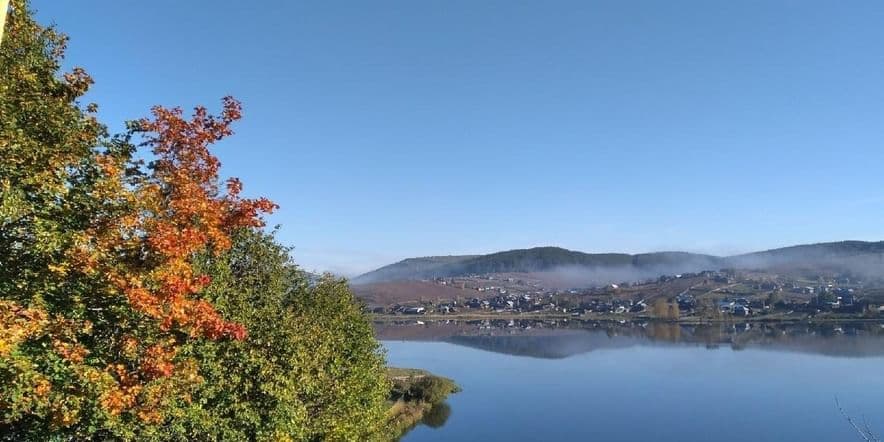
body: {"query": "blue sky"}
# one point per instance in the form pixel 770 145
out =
pixel 392 129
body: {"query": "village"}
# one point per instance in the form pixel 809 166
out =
pixel 722 294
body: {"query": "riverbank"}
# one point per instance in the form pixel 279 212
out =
pixel 414 394
pixel 479 316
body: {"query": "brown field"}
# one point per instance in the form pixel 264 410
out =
pixel 396 292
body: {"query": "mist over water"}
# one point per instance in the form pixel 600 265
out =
pixel 581 276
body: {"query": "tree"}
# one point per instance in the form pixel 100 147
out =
pixel 310 370
pixel 128 290
pixel 667 309
pixel 773 298
pixel 46 150
pixel 707 308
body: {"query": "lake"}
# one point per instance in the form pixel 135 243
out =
pixel 535 380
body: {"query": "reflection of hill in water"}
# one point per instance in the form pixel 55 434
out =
pixel 560 340
pixel 551 346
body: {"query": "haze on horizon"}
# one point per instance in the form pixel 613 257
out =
pixel 394 129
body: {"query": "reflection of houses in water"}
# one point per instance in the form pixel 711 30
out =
pixel 564 338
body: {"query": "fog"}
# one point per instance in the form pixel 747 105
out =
pixel 853 259
pixel 856 259
pixel 577 276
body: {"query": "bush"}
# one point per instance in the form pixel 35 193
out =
pixel 425 388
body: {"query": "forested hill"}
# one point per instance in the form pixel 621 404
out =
pixel 541 259
pixel 536 259
pixel 411 268
pixel 860 257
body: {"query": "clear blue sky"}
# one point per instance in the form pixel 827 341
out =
pixel 390 129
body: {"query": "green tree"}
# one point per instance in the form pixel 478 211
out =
pixel 46 139
pixel 310 369
pixel 47 174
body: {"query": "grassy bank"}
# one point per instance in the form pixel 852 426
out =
pixel 413 396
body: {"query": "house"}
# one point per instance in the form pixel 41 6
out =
pixel 845 296
pixel 740 310
pixel 726 306
pixel 686 302
pixel 603 308
pixel 768 286
pixel 638 307
pixel 447 308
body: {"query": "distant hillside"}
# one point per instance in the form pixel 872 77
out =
pixel 861 258
pixel 857 257
pixel 396 292
pixel 410 269
pixel 541 259
pixel 538 259
pixel 535 260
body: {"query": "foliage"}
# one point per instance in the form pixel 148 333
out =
pixel 417 396
pixel 422 388
pixel 49 378
pixel 662 308
pixel 310 369
pixel 141 301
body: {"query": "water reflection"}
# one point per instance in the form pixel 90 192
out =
pixel 437 416
pixel 561 339
pixel 535 380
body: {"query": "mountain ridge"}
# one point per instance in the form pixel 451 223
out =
pixel 862 256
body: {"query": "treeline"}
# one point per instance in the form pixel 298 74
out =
pixel 144 300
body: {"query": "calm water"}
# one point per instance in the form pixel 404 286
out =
pixel 635 383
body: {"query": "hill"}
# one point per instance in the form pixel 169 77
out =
pixel 544 259
pixel 541 259
pixel 411 268
pixel 861 258
pixel 855 257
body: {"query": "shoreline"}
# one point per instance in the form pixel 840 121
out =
pixel 615 318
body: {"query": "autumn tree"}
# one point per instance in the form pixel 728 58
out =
pixel 662 308
pixel 125 308
pixel 46 146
